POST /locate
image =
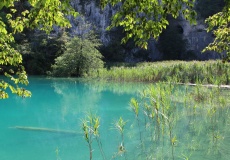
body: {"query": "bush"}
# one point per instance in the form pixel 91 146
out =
pixel 81 58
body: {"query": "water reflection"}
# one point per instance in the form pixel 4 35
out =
pixel 197 117
pixel 76 98
pixel 79 95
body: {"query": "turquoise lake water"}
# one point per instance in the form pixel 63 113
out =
pixel 62 104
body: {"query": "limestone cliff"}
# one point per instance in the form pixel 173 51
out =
pixel 93 17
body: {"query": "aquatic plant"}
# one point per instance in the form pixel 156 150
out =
pixel 120 126
pixel 178 71
pixel 161 110
pixel 90 127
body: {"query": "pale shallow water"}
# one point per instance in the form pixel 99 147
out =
pixel 61 104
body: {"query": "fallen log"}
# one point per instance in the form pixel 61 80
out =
pixel 45 130
pixel 205 85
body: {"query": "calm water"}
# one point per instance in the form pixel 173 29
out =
pixel 61 104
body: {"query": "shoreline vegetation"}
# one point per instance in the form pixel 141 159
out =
pixel 170 122
pixel 162 109
pixel 194 72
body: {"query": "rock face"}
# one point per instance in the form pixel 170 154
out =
pixel 94 17
pixel 198 38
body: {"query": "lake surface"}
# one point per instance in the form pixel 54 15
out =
pixel 62 104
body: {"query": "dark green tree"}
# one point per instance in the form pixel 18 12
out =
pixel 39 51
pixel 81 58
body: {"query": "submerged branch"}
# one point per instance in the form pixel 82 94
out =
pixel 45 130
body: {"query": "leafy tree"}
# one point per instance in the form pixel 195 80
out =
pixel 81 58
pixel 219 24
pixel 39 51
pixel 142 20
pixel 41 14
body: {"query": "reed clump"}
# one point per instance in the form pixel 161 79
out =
pixel 207 72
pixel 173 122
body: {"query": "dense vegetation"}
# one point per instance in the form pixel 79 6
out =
pixel 80 59
pixel 25 28
pixel 169 122
pixel 205 72
pixel 17 17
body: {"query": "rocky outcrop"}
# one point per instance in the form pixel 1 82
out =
pixel 198 38
pixel 94 17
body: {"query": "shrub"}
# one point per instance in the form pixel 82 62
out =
pixel 81 58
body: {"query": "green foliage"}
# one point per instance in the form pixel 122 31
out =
pixel 206 72
pixel 219 24
pixel 172 116
pixel 41 14
pixel 142 20
pixel 10 65
pixel 120 126
pixel 134 106
pixel 90 127
pixel 39 51
pixel 80 59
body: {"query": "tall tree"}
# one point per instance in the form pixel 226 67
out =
pixel 81 58
pixel 21 15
